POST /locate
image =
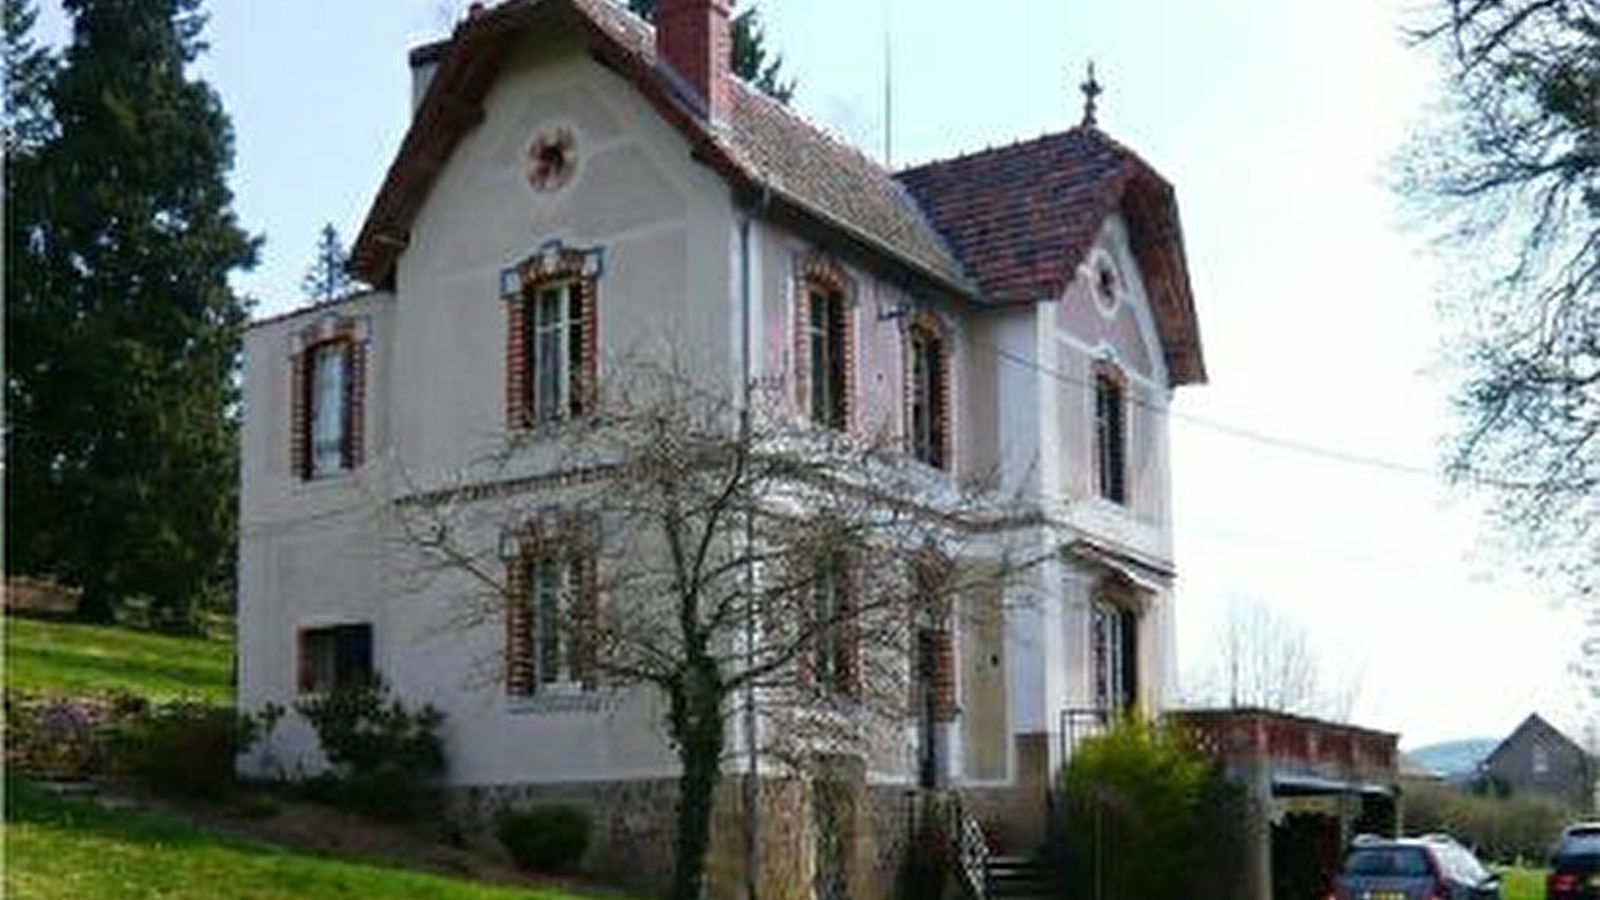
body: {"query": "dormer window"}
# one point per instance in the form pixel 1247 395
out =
pixel 1110 437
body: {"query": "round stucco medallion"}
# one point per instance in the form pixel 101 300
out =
pixel 551 159
pixel 1105 284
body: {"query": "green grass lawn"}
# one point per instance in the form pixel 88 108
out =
pixel 62 656
pixel 1521 884
pixel 58 849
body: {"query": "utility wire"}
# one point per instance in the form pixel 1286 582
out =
pixel 1258 437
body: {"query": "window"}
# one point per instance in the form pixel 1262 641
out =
pixel 928 408
pixel 551 344
pixel 824 341
pixel 832 661
pixel 555 349
pixel 1114 651
pixel 552 602
pixel 1541 760
pixel 329 372
pixel 1110 436
pixel 330 407
pixel 825 337
pixel 334 657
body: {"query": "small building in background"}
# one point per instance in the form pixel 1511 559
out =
pixel 1536 758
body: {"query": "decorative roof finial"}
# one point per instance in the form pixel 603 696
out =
pixel 1091 91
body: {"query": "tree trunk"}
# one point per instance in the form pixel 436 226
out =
pixel 698 730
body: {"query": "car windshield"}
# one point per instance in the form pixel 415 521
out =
pixel 1394 861
pixel 1581 843
pixel 1462 865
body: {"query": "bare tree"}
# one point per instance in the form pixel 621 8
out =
pixel 1511 171
pixel 729 560
pixel 1260 658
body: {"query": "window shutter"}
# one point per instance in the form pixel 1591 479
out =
pixel 519 630
pixel 300 414
pixel 585 368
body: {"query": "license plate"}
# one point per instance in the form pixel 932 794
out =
pixel 1386 895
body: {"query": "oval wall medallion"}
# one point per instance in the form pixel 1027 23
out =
pixel 552 158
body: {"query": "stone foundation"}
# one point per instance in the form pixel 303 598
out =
pixel 633 825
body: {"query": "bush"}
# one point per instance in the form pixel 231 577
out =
pixel 384 757
pixel 56 736
pixel 550 839
pixel 1146 816
pixel 1505 829
pixel 185 747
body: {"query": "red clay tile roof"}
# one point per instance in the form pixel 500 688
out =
pixel 1021 219
pixel 1004 225
pixel 765 150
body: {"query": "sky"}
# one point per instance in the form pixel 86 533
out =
pixel 1303 471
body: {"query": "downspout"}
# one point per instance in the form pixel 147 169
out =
pixel 752 789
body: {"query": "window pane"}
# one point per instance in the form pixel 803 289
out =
pixel 548 588
pixel 327 408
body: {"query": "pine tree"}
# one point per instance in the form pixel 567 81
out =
pixel 750 58
pixel 326 279
pixel 122 332
pixel 29 69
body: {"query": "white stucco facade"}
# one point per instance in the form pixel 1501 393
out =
pixel 673 246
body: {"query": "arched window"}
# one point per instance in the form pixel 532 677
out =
pixel 1110 435
pixel 824 342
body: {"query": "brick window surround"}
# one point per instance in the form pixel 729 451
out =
pixel 927 381
pixel 1111 434
pixel 552 599
pixel 824 342
pixel 551 303
pixel 343 340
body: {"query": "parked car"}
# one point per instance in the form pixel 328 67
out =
pixel 1431 867
pixel 1575 864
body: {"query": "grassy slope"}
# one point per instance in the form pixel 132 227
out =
pixel 70 657
pixel 60 849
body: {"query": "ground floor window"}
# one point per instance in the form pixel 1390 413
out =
pixel 1114 651
pixel 334 656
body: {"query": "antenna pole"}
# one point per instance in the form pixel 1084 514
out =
pixel 888 87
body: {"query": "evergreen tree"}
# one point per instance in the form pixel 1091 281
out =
pixel 28 70
pixel 327 279
pixel 122 332
pixel 750 58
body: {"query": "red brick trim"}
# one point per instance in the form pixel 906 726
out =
pixel 818 272
pixel 574 540
pixel 551 263
pixel 926 326
pixel 350 334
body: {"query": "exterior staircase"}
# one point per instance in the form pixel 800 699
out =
pixel 1020 878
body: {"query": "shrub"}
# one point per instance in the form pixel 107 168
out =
pixel 383 756
pixel 55 736
pixel 548 839
pixel 185 747
pixel 1505 829
pixel 1146 816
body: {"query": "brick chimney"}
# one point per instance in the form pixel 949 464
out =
pixel 693 41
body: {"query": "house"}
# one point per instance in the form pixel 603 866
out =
pixel 1536 758
pixel 575 186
